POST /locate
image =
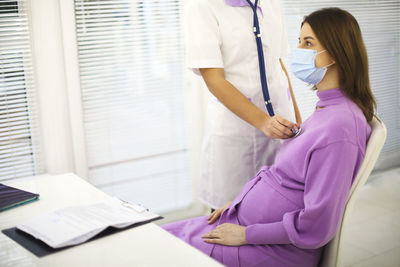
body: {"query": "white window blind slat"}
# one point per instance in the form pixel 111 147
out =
pixel 20 110
pixel 12 117
pixel 131 77
pixel 14 94
pixel 11 127
pixel 13 103
pixel 106 83
pixel 6 160
pixel 11 146
pixel 11 79
pixel 6 35
pixel 12 123
pixel 19 152
pixel 9 32
pixel 17 173
pixel 106 29
pixel 105 5
pixel 14 142
pixel 102 17
pixel 10 61
pixel 16 157
pixel 12 71
pixel 95 101
pixel 8 6
pixel 95 42
pixel 103 116
pixel 12 21
pixel 92 103
pixel 20 49
pixel 118 90
pixel 104 51
pixel 10 172
pixel 149 71
pixel 14 76
pixel 118 61
pixel 16 87
pixel 14 132
pixel 9 66
pixel 108 45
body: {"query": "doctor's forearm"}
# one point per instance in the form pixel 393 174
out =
pixel 236 102
pixel 232 98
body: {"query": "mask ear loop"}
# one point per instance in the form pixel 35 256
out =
pixel 328 64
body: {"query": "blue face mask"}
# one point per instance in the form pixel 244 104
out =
pixel 303 66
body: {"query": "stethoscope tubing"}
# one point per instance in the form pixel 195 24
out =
pixel 261 61
pixel 261 64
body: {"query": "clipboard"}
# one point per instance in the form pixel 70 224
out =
pixel 41 249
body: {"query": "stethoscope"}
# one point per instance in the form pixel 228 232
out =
pixel 261 64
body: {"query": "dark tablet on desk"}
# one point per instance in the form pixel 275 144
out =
pixel 11 197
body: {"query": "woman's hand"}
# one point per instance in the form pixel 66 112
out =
pixel 217 213
pixel 278 127
pixel 227 234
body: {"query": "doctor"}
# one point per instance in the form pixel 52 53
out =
pixel 240 136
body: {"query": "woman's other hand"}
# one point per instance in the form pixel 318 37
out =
pixel 279 128
pixel 217 213
pixel 227 234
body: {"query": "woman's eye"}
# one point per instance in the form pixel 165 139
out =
pixel 308 43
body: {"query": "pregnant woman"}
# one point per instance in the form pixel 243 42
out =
pixel 290 210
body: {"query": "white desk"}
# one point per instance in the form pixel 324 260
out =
pixel 147 245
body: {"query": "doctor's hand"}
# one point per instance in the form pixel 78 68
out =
pixel 217 213
pixel 278 127
pixel 227 234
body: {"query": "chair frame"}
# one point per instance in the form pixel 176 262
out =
pixel 332 253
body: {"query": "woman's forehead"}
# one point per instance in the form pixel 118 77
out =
pixel 306 30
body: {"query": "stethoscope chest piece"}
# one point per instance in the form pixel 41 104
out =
pixel 296 132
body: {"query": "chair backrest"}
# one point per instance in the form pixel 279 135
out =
pixel 332 251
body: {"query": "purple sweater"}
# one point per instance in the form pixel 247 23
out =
pixel 316 170
pixel 292 208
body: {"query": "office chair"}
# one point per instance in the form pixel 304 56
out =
pixel 332 252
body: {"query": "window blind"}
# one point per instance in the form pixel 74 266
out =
pixel 131 75
pixel 380 26
pixel 19 149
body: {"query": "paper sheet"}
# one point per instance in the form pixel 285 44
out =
pixel 74 225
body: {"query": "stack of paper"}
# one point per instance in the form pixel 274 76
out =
pixel 74 225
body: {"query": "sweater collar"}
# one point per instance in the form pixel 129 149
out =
pixel 330 97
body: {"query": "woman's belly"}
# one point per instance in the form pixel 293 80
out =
pixel 263 204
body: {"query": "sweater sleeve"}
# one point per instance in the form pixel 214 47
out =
pixel 328 180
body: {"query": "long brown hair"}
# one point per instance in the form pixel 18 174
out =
pixel 340 34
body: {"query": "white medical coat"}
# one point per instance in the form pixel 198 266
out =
pixel 221 36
